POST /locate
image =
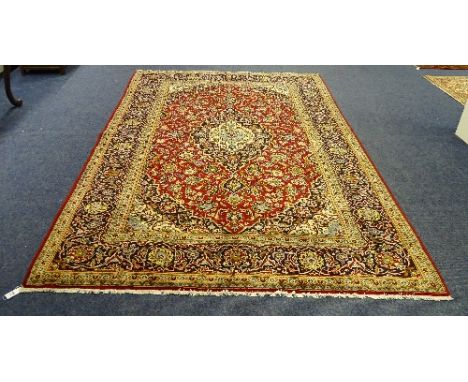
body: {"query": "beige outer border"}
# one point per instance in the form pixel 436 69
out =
pixel 441 83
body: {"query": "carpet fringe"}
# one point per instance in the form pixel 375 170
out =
pixel 13 293
pixel 20 290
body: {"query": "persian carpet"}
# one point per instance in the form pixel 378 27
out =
pixel 455 86
pixel 232 183
pixel 443 67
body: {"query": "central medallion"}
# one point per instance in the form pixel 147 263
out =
pixel 233 139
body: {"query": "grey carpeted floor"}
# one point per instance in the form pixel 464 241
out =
pixel 406 124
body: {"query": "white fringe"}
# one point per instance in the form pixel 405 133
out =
pixel 13 293
pixel 229 293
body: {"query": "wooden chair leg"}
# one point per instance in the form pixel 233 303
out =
pixel 6 79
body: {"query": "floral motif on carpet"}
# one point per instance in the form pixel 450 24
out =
pixel 218 183
pixel 455 86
